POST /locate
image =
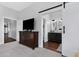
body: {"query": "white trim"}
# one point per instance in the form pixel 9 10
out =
pixel 9 18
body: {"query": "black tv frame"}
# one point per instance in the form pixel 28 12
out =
pixel 28 21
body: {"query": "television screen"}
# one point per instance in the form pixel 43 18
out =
pixel 28 24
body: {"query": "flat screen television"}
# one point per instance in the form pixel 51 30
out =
pixel 28 24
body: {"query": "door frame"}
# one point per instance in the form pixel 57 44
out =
pixel 11 19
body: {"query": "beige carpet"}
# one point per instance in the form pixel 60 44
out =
pixel 14 49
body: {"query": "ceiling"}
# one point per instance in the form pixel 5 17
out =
pixel 18 6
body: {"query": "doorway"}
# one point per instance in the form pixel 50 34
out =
pixel 52 31
pixel 9 30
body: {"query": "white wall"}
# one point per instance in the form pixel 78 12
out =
pixel 5 12
pixel 45 19
pixel 70 42
pixel 1 30
pixel 56 15
pixel 13 29
pixel 19 28
pixel 39 28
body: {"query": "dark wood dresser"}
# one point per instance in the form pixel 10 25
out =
pixel 29 39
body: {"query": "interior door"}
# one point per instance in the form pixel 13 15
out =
pixel 70 41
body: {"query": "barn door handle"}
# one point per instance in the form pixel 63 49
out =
pixel 64 29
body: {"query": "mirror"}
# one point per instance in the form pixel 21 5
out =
pixel 56 25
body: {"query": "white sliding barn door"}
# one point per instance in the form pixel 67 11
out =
pixel 70 41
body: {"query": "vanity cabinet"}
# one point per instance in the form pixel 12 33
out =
pixel 55 37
